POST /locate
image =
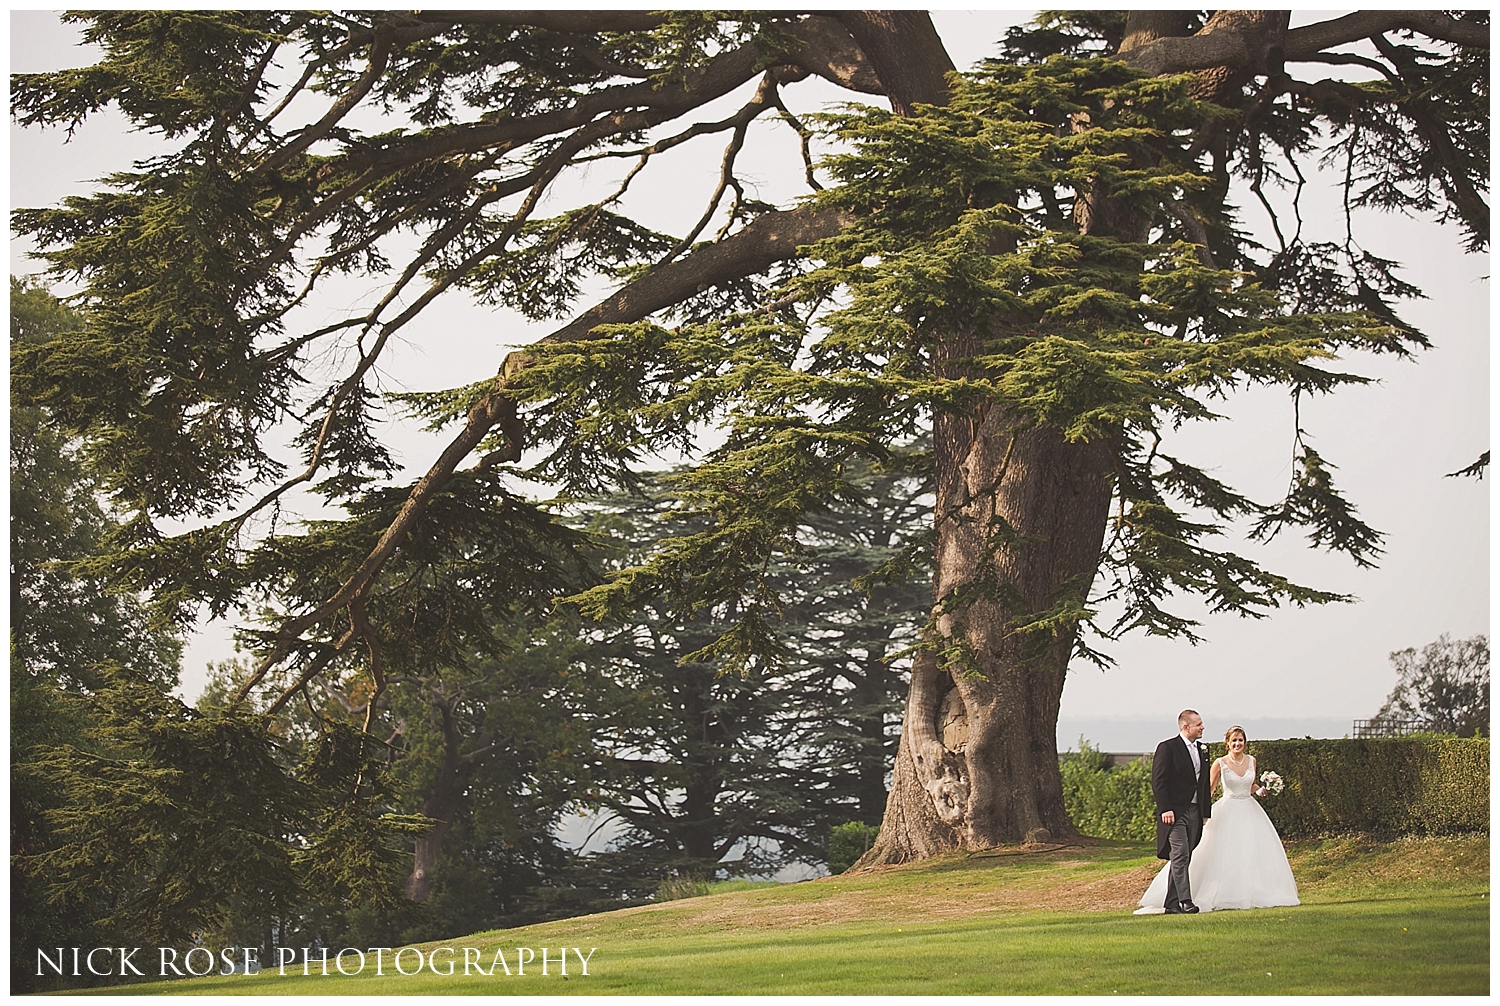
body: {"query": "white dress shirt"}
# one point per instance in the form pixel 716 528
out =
pixel 1197 762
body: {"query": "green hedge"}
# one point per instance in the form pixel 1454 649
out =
pixel 848 842
pixel 1105 802
pixel 1395 786
pixel 1385 787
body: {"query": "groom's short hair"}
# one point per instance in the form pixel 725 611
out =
pixel 1182 717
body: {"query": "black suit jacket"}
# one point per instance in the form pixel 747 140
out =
pixel 1173 785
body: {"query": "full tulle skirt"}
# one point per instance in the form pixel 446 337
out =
pixel 1238 864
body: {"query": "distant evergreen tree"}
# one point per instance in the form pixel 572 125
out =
pixel 851 616
pixel 495 753
pixel 742 773
pixel 69 635
pixel 687 756
pixel 65 621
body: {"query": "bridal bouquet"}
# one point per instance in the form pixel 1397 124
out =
pixel 1272 782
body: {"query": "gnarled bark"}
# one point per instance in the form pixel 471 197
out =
pixel 977 766
pixel 1232 47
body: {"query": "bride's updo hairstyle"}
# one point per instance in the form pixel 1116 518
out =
pixel 1235 730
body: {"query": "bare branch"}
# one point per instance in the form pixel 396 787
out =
pixel 1353 59
pixel 768 239
pixel 721 75
pixel 380 52
pixel 314 667
pixel 804 135
pixel 1195 228
pixel 742 120
pixel 667 143
pixel 1307 42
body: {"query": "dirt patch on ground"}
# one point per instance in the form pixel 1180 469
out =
pixel 1121 892
pixel 942 896
pixel 1039 878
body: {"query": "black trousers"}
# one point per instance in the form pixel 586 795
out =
pixel 1181 837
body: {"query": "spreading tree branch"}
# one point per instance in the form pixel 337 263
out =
pixel 768 239
pixel 1250 51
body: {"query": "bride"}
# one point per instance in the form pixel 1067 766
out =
pixel 1240 862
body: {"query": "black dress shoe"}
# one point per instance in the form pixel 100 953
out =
pixel 1183 908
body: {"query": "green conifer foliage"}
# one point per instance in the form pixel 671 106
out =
pixel 69 634
pixel 1102 338
pixel 1039 263
pixel 713 772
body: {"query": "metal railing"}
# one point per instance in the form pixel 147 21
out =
pixel 1389 727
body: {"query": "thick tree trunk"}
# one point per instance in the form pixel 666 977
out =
pixel 977 764
pixel 1020 521
pixel 1021 516
pixel 697 830
pixel 1230 48
pixel 870 692
pixel 429 846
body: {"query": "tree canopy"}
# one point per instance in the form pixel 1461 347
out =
pixel 1445 687
pixel 1040 264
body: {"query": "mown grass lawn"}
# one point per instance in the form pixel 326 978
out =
pixel 1403 918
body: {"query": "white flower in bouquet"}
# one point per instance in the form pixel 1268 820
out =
pixel 1272 782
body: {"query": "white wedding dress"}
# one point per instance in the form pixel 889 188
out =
pixel 1240 862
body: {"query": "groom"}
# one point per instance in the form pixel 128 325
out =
pixel 1179 783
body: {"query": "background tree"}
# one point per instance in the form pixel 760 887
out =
pixel 67 633
pixel 497 749
pixel 852 613
pixel 1039 264
pixel 137 818
pixel 1446 686
pixel 712 772
pixel 64 622
pixel 687 757
pixel 463 708
pixel 486 758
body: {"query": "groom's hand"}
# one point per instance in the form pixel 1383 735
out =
pixel 1168 817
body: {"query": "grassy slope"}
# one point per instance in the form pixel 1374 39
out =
pixel 1410 917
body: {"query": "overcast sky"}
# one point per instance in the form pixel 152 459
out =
pixel 1297 671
